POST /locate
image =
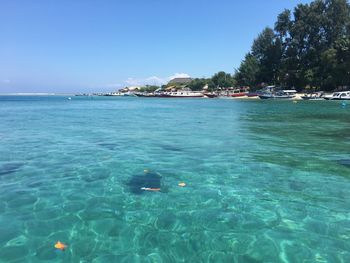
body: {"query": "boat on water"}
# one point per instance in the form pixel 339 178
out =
pixel 282 94
pixel 253 94
pixel 185 93
pixel 341 95
pixel 211 95
pixel 83 94
pixel 182 94
pixel 129 94
pixel 233 93
pixel 237 94
pixel 313 96
pixel 240 92
pixel 146 95
pixel 114 94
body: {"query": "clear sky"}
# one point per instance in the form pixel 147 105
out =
pixel 101 45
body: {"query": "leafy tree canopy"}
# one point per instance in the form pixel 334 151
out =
pixel 308 47
pixel 223 80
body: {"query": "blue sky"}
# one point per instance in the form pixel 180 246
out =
pixel 84 45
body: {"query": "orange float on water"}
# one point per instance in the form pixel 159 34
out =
pixel 59 245
pixel 182 184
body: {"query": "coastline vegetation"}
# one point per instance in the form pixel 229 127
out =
pixel 308 49
pixel 220 79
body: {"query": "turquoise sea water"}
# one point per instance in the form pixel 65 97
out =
pixel 267 181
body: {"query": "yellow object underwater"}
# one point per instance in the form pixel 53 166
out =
pixel 60 245
pixel 182 184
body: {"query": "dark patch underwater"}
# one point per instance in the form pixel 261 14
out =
pixel 345 162
pixel 9 168
pixel 171 148
pixel 109 146
pixel 148 180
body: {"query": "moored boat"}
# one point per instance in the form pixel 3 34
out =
pixel 342 95
pixel 146 95
pixel 210 95
pixel 253 94
pixel 181 94
pixel 238 94
pixel 283 94
pixel 185 93
pixel 313 96
pixel 114 94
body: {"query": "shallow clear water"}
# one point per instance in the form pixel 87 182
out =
pixel 267 181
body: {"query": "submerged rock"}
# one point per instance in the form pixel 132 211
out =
pixel 171 148
pixel 150 180
pixel 9 168
pixel 109 146
pixel 345 162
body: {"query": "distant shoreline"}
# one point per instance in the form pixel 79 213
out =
pixel 36 94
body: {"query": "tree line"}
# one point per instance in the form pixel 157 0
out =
pixel 308 48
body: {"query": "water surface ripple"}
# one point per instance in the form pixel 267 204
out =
pixel 267 181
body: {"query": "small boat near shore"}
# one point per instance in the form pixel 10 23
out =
pixel 113 94
pixel 172 94
pixel 342 95
pixel 283 94
pixel 182 94
pixel 232 93
pixel 274 96
pixel 241 92
pixel 238 94
pixel 146 95
pixel 313 96
pixel 253 94
pixel 211 95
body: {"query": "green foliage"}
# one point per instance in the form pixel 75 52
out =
pixel 283 24
pixel 219 80
pixel 149 88
pixel 223 80
pixel 342 47
pixel 267 49
pixel 199 84
pixel 309 47
pixel 247 72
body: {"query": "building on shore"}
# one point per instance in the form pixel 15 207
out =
pixel 179 81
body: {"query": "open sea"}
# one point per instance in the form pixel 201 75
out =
pixel 266 181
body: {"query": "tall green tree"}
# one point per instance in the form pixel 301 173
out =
pixel 267 49
pixel 283 25
pixel 223 80
pixel 342 47
pixel 308 47
pixel 246 75
pixel 197 84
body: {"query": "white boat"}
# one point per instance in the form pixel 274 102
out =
pixel 313 96
pixel 283 94
pixel 114 94
pixel 182 94
pixel 341 95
